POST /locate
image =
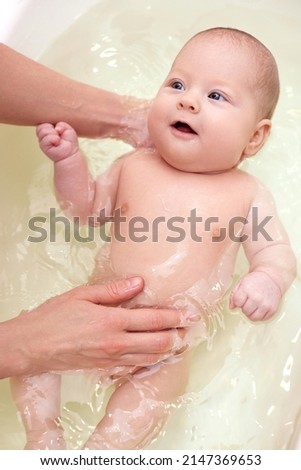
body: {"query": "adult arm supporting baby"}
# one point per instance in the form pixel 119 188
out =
pixel 32 94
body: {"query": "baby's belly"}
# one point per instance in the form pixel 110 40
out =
pixel 168 274
pixel 176 282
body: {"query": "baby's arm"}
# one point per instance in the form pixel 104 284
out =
pixel 272 261
pixel 73 184
pixel 76 190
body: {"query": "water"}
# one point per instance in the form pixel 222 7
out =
pixel 244 391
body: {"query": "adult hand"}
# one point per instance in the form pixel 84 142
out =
pixel 83 329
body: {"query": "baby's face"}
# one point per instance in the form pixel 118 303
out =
pixel 205 112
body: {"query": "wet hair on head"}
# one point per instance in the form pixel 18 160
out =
pixel 267 86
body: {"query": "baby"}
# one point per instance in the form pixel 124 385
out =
pixel 179 214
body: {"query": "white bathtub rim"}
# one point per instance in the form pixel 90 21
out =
pixel 23 21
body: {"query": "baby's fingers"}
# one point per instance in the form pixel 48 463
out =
pixel 49 141
pixel 44 129
pixel 259 314
pixel 248 306
pixel 238 297
pixel 61 127
pixel 241 299
pixel 251 309
pixel 65 131
pixel 254 305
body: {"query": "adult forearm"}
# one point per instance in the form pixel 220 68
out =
pixel 32 94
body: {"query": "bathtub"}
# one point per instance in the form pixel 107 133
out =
pixel 244 392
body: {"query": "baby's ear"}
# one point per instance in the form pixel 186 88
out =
pixel 258 138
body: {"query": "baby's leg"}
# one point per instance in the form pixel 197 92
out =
pixel 139 406
pixel 38 400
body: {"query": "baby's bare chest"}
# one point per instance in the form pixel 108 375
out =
pixel 167 200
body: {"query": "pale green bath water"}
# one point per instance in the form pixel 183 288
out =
pixel 244 392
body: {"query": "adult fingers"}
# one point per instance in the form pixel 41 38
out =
pixel 162 342
pixel 155 319
pixel 111 293
pixel 69 361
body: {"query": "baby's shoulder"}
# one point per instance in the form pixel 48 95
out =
pixel 256 191
pixel 247 181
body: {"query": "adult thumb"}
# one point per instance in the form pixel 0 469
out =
pixel 112 292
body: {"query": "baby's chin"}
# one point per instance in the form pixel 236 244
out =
pixel 184 166
pixel 192 167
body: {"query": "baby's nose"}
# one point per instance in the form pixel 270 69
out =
pixel 188 102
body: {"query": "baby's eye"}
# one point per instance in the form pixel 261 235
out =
pixel 216 96
pixel 177 85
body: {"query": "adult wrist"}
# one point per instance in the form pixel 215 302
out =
pixel 13 358
pixel 121 117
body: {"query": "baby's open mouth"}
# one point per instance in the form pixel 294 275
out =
pixel 183 127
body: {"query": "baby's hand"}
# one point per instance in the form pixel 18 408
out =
pixel 57 142
pixel 257 295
